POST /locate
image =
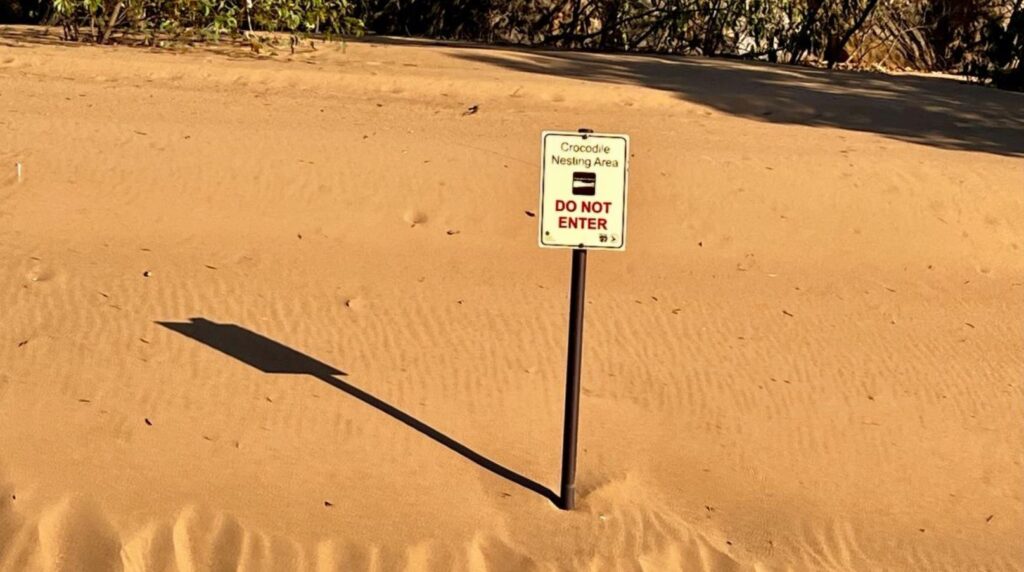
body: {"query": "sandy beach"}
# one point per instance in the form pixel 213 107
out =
pixel 288 312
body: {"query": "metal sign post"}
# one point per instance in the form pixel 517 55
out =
pixel 577 291
pixel 582 206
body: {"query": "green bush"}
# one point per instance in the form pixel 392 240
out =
pixel 981 38
pixel 98 20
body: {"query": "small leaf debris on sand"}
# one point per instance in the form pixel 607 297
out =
pixel 471 110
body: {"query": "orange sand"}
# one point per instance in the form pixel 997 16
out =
pixel 808 358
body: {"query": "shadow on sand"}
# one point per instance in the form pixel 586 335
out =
pixel 270 356
pixel 932 111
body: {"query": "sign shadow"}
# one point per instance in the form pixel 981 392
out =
pixel 270 356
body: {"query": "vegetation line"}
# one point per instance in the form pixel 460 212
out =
pixel 982 39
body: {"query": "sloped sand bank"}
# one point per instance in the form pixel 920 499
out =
pixel 289 313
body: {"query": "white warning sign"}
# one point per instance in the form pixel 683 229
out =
pixel 583 190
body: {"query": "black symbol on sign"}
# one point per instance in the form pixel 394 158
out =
pixel 584 183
